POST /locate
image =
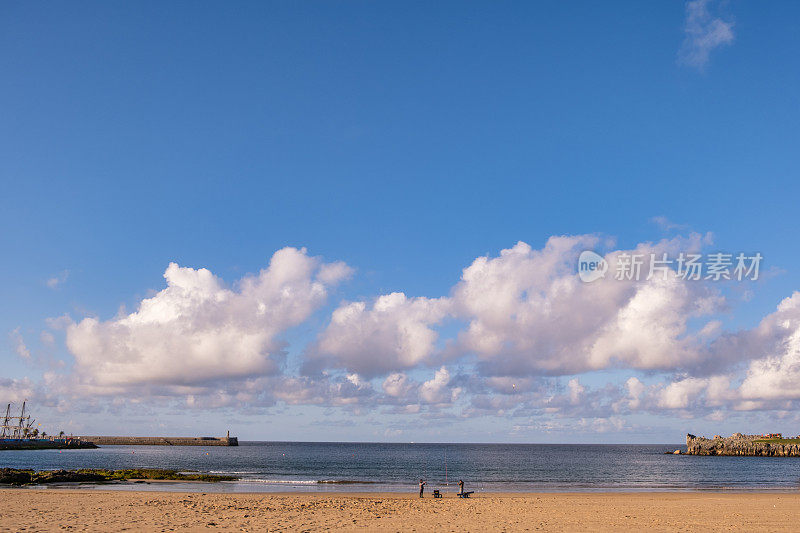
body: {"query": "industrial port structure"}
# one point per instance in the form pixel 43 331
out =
pixel 18 433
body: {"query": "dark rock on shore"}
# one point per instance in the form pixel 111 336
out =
pixel 11 476
pixel 743 445
pixel 29 477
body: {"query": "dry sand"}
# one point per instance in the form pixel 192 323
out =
pixel 104 510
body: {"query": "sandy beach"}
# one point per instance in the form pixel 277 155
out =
pixel 104 510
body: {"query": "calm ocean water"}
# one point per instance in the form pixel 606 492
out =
pixel 323 467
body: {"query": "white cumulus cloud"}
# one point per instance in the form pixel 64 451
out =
pixel 438 390
pixel 198 330
pixel 528 312
pixel 777 374
pixel 394 333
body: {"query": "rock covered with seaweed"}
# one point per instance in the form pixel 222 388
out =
pixel 12 476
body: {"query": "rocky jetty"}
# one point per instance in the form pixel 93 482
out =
pixel 61 443
pixel 743 445
pixel 161 441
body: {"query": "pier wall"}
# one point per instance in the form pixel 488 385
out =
pixel 162 441
pixel 743 445
pixel 66 443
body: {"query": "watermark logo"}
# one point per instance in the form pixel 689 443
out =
pixel 717 266
pixel 591 266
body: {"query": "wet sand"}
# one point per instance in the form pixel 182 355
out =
pixel 106 510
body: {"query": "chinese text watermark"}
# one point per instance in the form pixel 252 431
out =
pixel 687 266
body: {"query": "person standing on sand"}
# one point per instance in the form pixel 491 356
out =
pixel 421 487
pixel 460 487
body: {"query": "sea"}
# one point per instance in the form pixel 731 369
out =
pixel 380 467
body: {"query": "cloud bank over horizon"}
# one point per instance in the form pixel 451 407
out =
pixel 517 335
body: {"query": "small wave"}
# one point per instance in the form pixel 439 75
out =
pixel 346 481
pixel 306 481
pixel 279 481
pixel 231 472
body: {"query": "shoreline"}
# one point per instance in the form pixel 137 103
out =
pixel 137 488
pixel 233 488
pixel 413 495
pixel 104 510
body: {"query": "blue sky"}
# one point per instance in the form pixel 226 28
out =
pixel 405 140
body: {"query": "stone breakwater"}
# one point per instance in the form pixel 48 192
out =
pixel 45 444
pixel 743 445
pixel 162 441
